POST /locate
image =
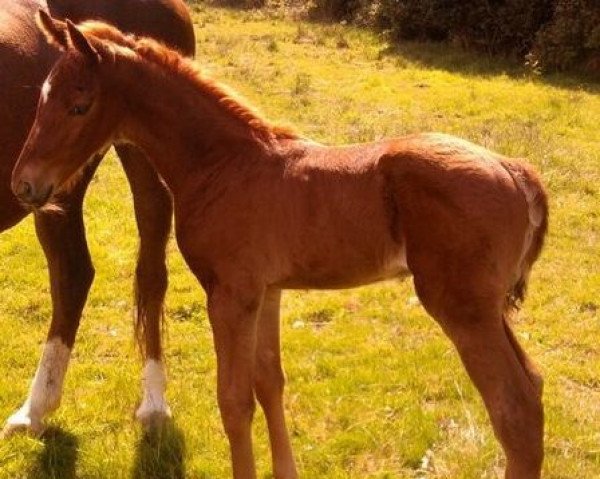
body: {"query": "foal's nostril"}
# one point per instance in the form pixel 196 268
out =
pixel 24 191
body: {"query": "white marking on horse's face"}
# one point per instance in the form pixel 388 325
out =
pixel 154 405
pixel 46 87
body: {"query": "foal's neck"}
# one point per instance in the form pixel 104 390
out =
pixel 185 126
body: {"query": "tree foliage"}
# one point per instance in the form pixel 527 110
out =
pixel 553 34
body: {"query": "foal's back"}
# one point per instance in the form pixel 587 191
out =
pixel 371 203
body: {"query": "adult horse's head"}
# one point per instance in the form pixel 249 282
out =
pixel 73 120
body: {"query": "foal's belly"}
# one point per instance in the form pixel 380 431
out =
pixel 345 264
pixel 327 277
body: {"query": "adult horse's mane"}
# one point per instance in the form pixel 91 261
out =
pixel 105 38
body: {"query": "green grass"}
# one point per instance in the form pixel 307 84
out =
pixel 374 388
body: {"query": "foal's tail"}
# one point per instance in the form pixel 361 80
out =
pixel 529 184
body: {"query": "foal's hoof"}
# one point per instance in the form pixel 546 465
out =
pixel 152 418
pixel 21 423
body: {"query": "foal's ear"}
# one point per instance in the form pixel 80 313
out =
pixel 55 31
pixel 82 44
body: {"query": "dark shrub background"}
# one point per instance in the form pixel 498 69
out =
pixel 549 34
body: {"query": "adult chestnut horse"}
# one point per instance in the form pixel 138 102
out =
pixel 259 209
pixel 26 59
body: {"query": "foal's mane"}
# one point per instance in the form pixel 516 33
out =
pixel 153 52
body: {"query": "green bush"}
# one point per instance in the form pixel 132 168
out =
pixel 349 10
pixel 553 34
pixel 494 26
pixel 571 37
pixel 414 20
pixel 240 3
pixel 502 27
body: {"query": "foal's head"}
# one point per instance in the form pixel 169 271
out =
pixel 74 121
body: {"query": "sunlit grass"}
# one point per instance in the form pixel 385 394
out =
pixel 374 389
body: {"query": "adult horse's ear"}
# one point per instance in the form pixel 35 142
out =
pixel 55 31
pixel 81 43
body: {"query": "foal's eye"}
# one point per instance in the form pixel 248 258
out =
pixel 79 110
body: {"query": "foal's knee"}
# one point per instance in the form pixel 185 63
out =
pixel 269 381
pixel 236 413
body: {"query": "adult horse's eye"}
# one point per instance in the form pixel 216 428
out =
pixel 79 110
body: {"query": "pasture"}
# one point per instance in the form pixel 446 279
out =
pixel 374 388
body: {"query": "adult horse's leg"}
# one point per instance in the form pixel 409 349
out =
pixel 153 213
pixel 510 387
pixel 269 383
pixel 233 314
pixel 71 273
pixel 62 237
pixel 11 212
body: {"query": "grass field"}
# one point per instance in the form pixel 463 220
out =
pixel 374 388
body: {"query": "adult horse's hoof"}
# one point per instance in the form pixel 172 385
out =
pixel 152 415
pixel 22 423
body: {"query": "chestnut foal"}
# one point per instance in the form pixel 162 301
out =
pixel 259 209
pixel 26 60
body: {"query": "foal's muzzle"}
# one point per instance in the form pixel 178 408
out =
pixel 31 195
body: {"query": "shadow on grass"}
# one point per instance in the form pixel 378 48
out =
pixel 469 63
pixel 59 457
pixel 160 453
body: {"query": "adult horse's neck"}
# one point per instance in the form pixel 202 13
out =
pixel 77 10
pixel 186 124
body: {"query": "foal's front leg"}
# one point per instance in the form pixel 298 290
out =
pixel 269 383
pixel 62 237
pixel 233 316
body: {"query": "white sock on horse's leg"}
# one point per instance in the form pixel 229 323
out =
pixel 154 405
pixel 46 390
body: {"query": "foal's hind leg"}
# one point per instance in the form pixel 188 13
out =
pixel 532 372
pixel 499 369
pixel 153 212
pixel 62 237
pixel 269 383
